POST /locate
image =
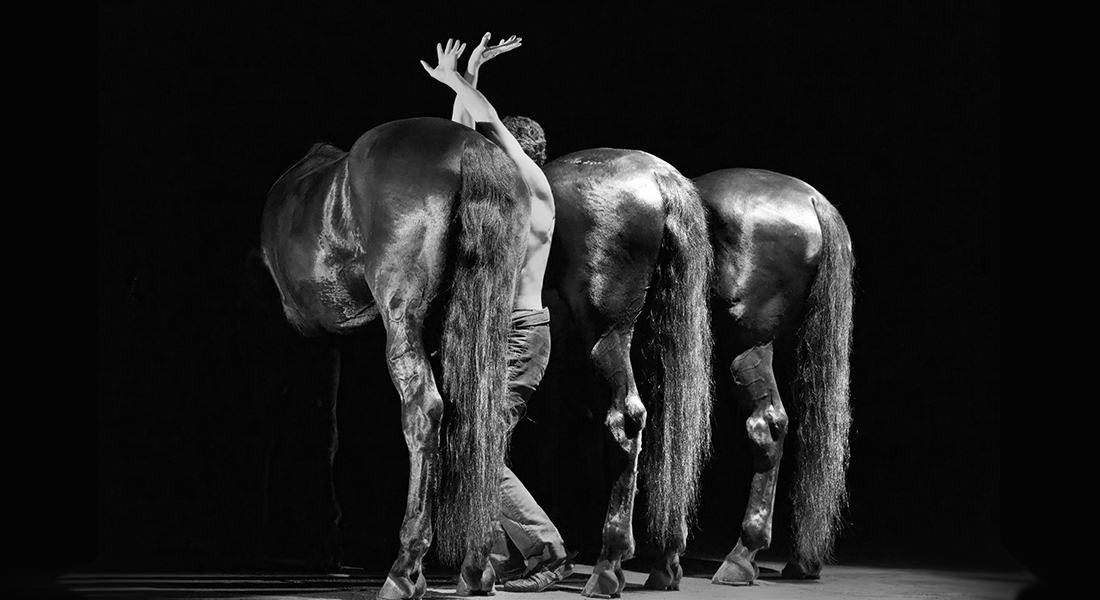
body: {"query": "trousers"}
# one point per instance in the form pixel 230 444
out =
pixel 525 535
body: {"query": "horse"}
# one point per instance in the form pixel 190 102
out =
pixel 779 270
pixel 422 223
pixel 630 252
pixel 782 286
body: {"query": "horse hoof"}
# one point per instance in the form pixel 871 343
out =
pixel 473 583
pixel 606 581
pixel 474 580
pixel 736 572
pixel 463 591
pixel 402 588
pixel 799 570
pixel 666 579
pixel 661 585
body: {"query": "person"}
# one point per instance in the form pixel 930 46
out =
pixel 528 553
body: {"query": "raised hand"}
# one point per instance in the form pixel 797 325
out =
pixel 447 58
pixel 483 53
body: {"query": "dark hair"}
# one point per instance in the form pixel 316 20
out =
pixel 530 136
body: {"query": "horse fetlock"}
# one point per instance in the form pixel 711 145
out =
pixel 418 547
pixel 666 573
pixel 618 542
pixel 756 530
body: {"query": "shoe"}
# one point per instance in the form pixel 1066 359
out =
pixel 505 576
pixel 544 577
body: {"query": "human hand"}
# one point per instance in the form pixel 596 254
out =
pixel 482 54
pixel 447 59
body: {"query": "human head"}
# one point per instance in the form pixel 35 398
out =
pixel 530 136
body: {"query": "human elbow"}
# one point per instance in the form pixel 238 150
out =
pixel 488 115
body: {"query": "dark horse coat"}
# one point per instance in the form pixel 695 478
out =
pixel 423 223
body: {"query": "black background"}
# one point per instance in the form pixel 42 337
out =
pixel 892 110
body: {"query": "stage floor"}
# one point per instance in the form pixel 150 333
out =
pixel 838 581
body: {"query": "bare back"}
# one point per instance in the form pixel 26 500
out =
pixel 541 232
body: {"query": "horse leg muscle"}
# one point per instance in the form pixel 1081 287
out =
pixel 766 426
pixel 421 411
pixel 625 421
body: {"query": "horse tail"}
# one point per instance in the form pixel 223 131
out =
pixel 821 391
pixel 490 221
pixel 681 381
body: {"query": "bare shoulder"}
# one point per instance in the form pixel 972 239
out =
pixel 532 174
pixel 536 180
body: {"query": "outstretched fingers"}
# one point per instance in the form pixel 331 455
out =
pixel 446 58
pixel 454 47
pixel 505 45
pixel 483 52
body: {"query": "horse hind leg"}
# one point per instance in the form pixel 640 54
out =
pixel 766 426
pixel 307 407
pixel 421 411
pixel 625 421
pixel 326 555
pixel 666 572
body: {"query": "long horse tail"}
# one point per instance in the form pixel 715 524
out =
pixel 490 220
pixel 821 390
pixel 681 381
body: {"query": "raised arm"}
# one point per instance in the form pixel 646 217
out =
pixel 479 56
pixel 483 112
